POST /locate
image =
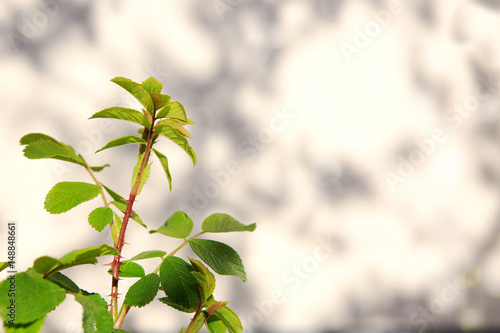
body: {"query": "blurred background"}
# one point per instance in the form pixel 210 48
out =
pixel 361 136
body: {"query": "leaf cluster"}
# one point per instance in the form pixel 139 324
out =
pixel 186 285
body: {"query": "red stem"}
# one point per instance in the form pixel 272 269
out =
pixel 119 245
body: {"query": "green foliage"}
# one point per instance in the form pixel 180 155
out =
pixel 179 285
pixel 224 223
pixel 148 255
pixel 222 258
pixel 43 146
pixel 173 110
pixel 4 265
pixel 64 282
pixel 152 85
pixel 138 91
pixel 214 306
pixel 48 265
pixel 179 225
pixel 215 325
pixel 124 140
pixel 205 279
pixel 188 287
pixel 123 114
pixel 34 297
pixel 114 195
pixel 96 317
pixel 130 269
pixel 143 291
pixel 229 319
pixel 35 137
pixel 99 168
pixel 197 322
pixel 67 195
pixel 144 173
pixel 33 327
pixel 171 133
pixel 100 217
pixel 164 163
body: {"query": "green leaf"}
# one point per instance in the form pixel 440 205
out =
pixel 170 133
pixel 143 291
pixel 124 140
pixel 152 85
pixel 100 217
pixel 123 114
pixel 113 194
pixel 159 100
pixel 173 122
pixel 115 230
pixel 122 206
pixel 34 297
pixel 144 175
pixel 222 258
pixel 33 327
pixel 173 110
pixel 215 306
pixel 74 257
pixel 45 264
pixel 67 195
pixel 43 146
pixel 182 131
pixel 48 265
pixel 137 219
pixel 99 168
pixel 138 91
pixel 179 225
pixel 179 285
pixel 129 269
pixel 230 319
pixel 34 137
pixel 148 255
pixel 4 265
pixel 215 325
pixel 206 280
pixel 164 163
pixel 96 317
pixel 64 282
pixel 224 223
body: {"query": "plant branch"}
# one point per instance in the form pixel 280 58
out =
pixel 186 241
pixel 121 316
pixel 119 245
pixel 195 317
pixel 105 201
pixel 89 170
